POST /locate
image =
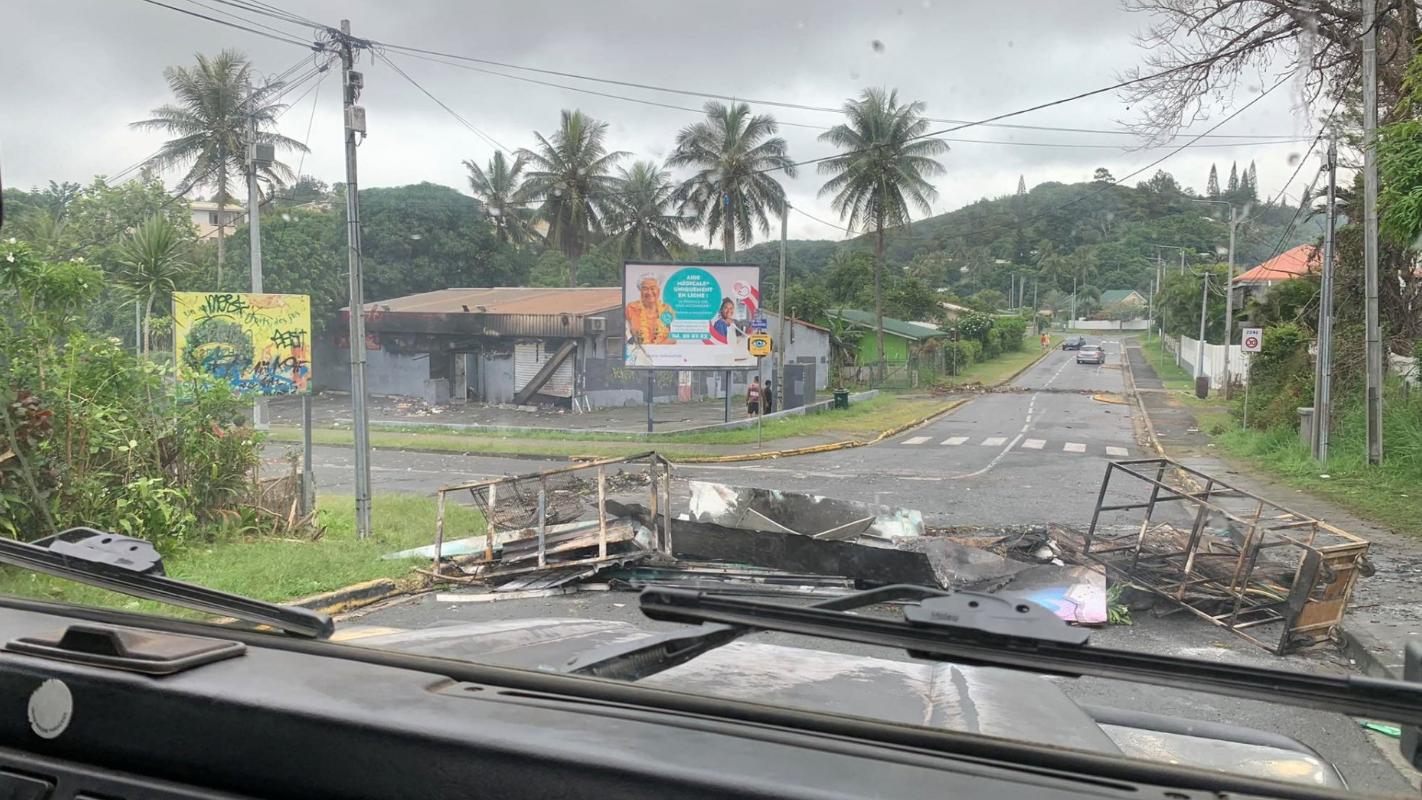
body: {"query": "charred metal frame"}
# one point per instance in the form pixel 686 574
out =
pixel 659 497
pixel 1312 606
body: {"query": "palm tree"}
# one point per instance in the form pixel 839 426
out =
pixel 844 338
pixel 732 192
pixel 208 122
pixel 571 177
pixel 882 173
pixel 498 190
pixel 152 261
pixel 638 216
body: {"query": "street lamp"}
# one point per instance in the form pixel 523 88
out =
pixel 1229 286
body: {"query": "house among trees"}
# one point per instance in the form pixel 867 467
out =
pixel 1286 266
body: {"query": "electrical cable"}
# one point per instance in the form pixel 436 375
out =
pixel 466 123
pixel 239 27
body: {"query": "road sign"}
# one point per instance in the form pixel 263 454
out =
pixel 760 324
pixel 759 344
pixel 1253 340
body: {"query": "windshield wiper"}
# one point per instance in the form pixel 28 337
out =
pixel 633 661
pixel 131 566
pixel 999 631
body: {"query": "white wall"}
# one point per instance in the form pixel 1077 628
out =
pixel 1110 325
pixel 1214 360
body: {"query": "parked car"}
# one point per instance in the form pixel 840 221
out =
pixel 1090 354
pixel 1073 342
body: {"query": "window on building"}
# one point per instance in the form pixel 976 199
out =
pixel 212 218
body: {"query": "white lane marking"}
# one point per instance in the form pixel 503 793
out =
pixel 954 441
pixel 917 440
pixel 1117 451
pixel 1074 447
pixel 992 463
pixel 1034 444
pixel 994 441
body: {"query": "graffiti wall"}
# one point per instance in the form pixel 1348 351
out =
pixel 259 343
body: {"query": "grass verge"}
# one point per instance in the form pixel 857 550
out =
pixel 1174 377
pixel 859 421
pixel 991 373
pixel 1390 494
pixel 273 569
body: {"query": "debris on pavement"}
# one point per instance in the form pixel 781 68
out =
pixel 799 513
pixel 1274 576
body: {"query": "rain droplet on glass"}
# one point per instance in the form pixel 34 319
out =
pixel 1294 159
pixel 878 47
pixel 854 74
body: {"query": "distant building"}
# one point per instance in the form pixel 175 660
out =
pixel 206 217
pixel 1286 266
pixel 490 344
pixel 902 340
pixel 1111 297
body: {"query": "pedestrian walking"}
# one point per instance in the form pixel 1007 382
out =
pixel 1045 341
pixel 753 398
pixel 769 396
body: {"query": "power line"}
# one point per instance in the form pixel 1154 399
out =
pixel 804 107
pixel 308 45
pixel 466 123
pixel 788 124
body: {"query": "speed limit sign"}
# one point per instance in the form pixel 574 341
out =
pixel 1253 340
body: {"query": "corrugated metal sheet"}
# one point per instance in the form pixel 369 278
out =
pixel 529 357
pixel 505 300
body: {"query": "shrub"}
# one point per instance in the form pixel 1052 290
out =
pixel 1013 331
pixel 991 350
pixel 1280 378
pixel 957 356
pixel 975 325
pixel 974 348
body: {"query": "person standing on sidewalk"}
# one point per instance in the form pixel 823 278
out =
pixel 769 396
pixel 753 398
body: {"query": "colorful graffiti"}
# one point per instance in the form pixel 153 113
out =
pixel 259 343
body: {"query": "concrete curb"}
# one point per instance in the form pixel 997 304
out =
pixel 350 597
pixel 825 448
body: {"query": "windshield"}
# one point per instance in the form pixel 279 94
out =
pixel 468 328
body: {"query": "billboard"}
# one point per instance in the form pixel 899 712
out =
pixel 258 343
pixel 689 316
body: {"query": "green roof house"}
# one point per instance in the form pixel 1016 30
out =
pixel 901 339
pixel 1114 296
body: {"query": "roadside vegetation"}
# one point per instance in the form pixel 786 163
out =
pixel 278 569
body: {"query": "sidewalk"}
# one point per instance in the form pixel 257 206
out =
pixel 1386 609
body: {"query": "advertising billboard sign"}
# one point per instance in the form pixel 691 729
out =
pixel 689 316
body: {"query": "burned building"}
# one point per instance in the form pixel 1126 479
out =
pixel 525 345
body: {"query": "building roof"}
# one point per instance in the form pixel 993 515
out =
pixel 1286 266
pixel 505 300
pixel 895 327
pixel 208 205
pixel 1119 296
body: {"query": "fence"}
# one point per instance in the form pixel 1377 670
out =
pixel 1109 325
pixel 1187 351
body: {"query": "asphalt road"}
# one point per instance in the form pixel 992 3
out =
pixel 1031 455
pixel 1007 458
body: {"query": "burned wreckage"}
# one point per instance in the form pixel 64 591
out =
pixel 1171 536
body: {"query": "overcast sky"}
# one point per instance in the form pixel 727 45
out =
pixel 74 73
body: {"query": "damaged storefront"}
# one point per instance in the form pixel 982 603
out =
pixel 529 346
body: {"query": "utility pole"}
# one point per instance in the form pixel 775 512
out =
pixel 254 230
pixel 1323 375
pixel 1200 346
pixel 352 82
pixel 1234 221
pixel 780 340
pixel 1370 231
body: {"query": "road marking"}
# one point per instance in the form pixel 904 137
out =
pixel 992 463
pixel 917 440
pixel 994 441
pixel 1074 447
pixel 1117 451
pixel 955 440
pixel 1034 444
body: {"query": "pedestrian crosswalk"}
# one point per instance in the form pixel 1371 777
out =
pixel 1111 451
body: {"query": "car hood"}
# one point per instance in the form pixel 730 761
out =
pixel 981 700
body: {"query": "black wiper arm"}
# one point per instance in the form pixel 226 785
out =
pixel 633 661
pixel 951 628
pixel 131 566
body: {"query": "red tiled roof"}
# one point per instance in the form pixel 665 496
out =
pixel 1286 266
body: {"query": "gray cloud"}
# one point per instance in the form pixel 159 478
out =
pixel 74 73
